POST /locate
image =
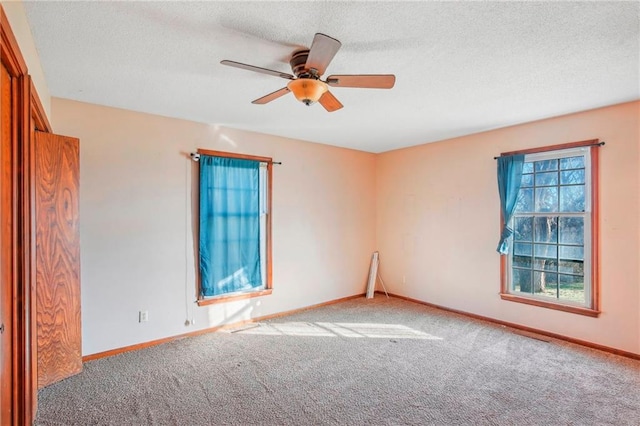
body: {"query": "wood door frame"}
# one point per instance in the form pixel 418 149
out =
pixel 27 115
pixel 6 242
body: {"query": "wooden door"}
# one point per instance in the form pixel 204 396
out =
pixel 6 248
pixel 57 257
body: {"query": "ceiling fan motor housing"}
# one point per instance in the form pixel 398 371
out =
pixel 298 63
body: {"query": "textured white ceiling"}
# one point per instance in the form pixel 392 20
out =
pixel 461 67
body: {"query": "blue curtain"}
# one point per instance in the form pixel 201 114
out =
pixel 229 225
pixel 509 179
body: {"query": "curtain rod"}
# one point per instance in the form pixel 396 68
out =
pixel 593 144
pixel 196 157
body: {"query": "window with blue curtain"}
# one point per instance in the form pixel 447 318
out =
pixel 232 232
pixel 548 202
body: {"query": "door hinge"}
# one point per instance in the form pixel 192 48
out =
pixel 1 328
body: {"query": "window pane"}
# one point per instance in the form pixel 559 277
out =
pixel 527 180
pixel 522 261
pixel 527 168
pixel 545 284
pixel 572 162
pixel 545 257
pixel 572 198
pixel 545 251
pixel 522 228
pixel 546 229
pixel 571 230
pixel 522 255
pixel 545 264
pixel 546 179
pixel 546 200
pixel 522 249
pixel 572 177
pixel 571 253
pixel 546 165
pixel 521 280
pixel 525 201
pixel 571 266
pixel 571 288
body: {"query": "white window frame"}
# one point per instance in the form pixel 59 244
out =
pixel 586 215
pixel 591 305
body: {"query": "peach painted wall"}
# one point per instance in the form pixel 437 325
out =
pixel 135 222
pixel 438 223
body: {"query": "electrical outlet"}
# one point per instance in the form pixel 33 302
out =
pixel 143 316
pixel 193 321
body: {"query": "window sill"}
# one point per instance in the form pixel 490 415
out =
pixel 544 304
pixel 232 297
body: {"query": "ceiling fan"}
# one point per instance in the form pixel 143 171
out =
pixel 308 65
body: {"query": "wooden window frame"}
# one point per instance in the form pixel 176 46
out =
pixel 594 309
pixel 268 279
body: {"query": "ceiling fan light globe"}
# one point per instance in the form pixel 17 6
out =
pixel 307 90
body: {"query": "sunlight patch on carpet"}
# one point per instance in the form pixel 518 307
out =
pixel 335 329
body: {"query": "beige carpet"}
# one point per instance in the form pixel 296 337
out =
pixel 361 362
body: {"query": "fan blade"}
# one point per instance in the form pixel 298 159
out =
pixel 322 51
pixel 384 81
pixel 271 96
pixel 257 69
pixel 329 102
